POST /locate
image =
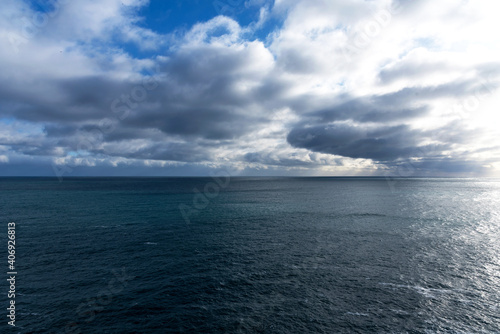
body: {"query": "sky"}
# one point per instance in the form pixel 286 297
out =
pixel 250 87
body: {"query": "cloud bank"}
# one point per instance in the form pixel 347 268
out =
pixel 306 88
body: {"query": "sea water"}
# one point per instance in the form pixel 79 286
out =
pixel 253 255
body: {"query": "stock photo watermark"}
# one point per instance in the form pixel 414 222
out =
pixel 229 7
pixel 32 25
pixel 465 107
pixel 88 309
pixel 120 108
pixel 362 38
pixel 11 273
pixel 202 197
pixel 405 169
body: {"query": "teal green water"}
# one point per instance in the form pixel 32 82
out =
pixel 254 255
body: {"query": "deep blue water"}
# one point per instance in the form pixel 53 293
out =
pixel 253 255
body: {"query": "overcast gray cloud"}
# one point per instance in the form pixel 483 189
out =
pixel 335 88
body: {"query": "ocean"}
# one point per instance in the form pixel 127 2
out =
pixel 252 255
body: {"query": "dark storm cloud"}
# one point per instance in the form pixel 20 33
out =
pixel 61 100
pixel 209 123
pixel 400 106
pixel 353 141
pixel 182 152
pixel 384 143
pixel 391 145
pixel 199 96
pixel 187 104
pixel 368 110
pixel 40 150
pixel 209 76
pixel 376 127
pixel 127 133
pixel 203 64
pixel 296 61
pixel 194 96
pixel 56 130
pixel 95 91
pixel 272 91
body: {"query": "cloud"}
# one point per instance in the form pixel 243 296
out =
pixel 335 87
pixel 382 143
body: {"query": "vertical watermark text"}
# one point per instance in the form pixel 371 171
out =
pixel 11 273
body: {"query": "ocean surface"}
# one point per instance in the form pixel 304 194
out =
pixel 253 255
